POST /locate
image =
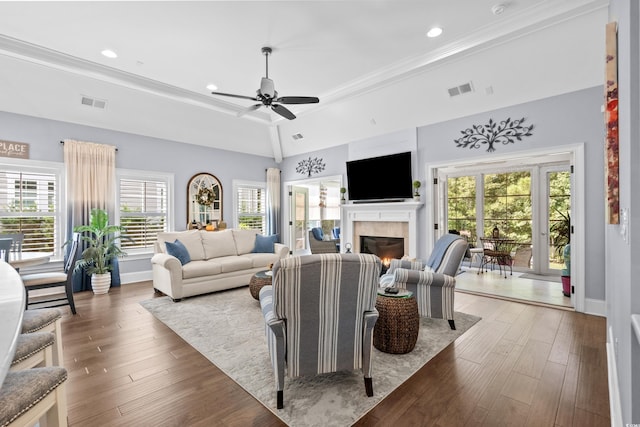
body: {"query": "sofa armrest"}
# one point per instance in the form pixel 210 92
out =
pixel 166 261
pixel 403 277
pixel 281 250
pixel 167 275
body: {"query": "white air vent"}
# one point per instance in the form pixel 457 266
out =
pixel 460 90
pixel 297 136
pixel 93 102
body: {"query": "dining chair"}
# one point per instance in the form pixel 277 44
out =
pixel 17 238
pixel 54 280
pixel 5 248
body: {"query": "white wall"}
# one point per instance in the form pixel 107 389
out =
pixel 622 266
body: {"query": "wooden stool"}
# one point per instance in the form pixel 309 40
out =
pixel 396 330
pixel 33 350
pixel 30 394
pixel 45 320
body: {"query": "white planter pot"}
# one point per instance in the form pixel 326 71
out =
pixel 100 283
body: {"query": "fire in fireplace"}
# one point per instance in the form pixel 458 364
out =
pixel 386 248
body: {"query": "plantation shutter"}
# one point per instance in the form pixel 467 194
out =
pixel 143 211
pixel 251 207
pixel 29 205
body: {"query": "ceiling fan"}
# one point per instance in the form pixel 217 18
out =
pixel 268 97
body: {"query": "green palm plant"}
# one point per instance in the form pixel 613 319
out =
pixel 101 239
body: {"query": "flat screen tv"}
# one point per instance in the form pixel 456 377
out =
pixel 380 178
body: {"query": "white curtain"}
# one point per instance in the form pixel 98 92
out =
pixel 273 201
pixel 91 177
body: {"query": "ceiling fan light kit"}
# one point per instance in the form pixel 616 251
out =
pixel 268 96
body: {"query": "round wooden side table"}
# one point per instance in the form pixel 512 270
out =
pixel 396 330
pixel 257 281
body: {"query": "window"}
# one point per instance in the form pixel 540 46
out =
pixel 461 202
pixel 143 208
pixel 30 203
pixel 250 205
pixel 507 204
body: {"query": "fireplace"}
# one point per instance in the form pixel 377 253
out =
pixel 386 248
pixel 388 220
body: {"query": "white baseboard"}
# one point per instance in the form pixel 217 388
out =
pixel 596 307
pixel 615 407
pixel 138 276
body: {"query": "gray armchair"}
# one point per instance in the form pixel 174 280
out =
pixel 432 282
pixel 319 315
pixel 318 245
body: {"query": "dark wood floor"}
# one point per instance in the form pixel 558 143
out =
pixel 520 365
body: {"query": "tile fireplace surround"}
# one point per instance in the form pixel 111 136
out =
pixel 398 219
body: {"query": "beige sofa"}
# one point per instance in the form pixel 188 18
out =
pixel 219 260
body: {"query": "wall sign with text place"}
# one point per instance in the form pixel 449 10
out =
pixel 18 150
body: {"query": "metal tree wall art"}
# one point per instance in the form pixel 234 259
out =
pixel 506 132
pixel 310 166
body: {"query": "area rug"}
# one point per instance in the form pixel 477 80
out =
pixel 541 277
pixel 228 329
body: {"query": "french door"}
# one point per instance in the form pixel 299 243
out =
pixel 555 210
pixel 299 204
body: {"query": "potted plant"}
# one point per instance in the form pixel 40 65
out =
pixel 416 193
pixel 342 191
pixel 561 231
pixel 101 249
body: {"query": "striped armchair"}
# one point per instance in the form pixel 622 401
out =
pixel 432 282
pixel 319 315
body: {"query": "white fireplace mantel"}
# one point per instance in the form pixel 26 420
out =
pixel 380 212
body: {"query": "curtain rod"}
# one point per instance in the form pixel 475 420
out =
pixel 62 142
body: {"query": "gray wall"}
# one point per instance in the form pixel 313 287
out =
pixel 141 153
pixel 562 120
pixel 622 266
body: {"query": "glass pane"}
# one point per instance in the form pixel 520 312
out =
pixel 461 209
pixel 507 205
pixel 559 216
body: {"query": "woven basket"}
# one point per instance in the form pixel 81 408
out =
pixel 396 330
pixel 256 283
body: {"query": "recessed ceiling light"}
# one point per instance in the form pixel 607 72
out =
pixel 434 32
pixel 211 86
pixel 109 53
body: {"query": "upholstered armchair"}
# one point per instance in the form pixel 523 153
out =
pixel 319 314
pixel 318 245
pixel 432 282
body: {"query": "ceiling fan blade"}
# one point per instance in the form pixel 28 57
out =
pixel 248 110
pixel 297 100
pixel 252 98
pixel 283 111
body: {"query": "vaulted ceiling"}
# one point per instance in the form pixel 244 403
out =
pixel 369 62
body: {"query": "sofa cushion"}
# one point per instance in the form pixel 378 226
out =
pixel 234 263
pixel 261 259
pixel 201 269
pixel 245 240
pixel 218 243
pixel 190 239
pixel 264 244
pixel 178 250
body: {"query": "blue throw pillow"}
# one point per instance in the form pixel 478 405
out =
pixel 317 233
pixel 178 250
pixel 265 244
